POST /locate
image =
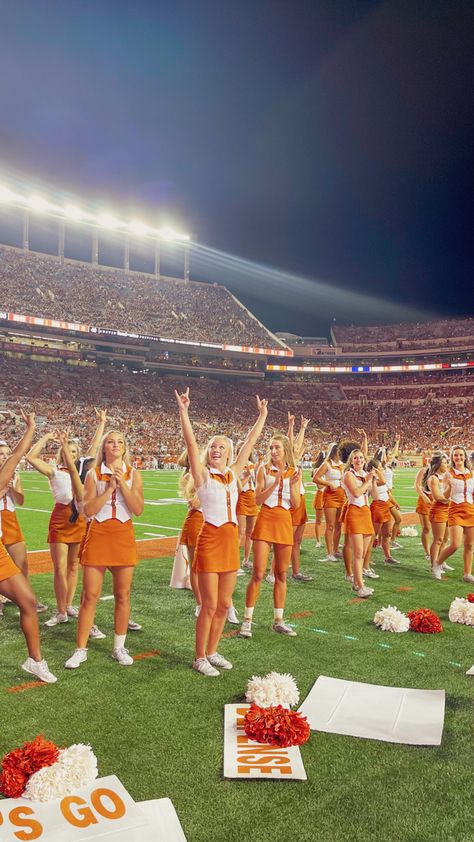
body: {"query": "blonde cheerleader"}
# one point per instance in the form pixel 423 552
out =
pixel 329 476
pixel 439 509
pixel 459 488
pixel 358 521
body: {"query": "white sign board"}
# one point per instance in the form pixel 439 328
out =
pixel 245 758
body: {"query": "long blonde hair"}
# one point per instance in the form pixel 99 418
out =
pixel 289 454
pixel 187 489
pixel 348 464
pixel 100 450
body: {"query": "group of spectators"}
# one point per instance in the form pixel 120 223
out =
pixel 134 302
pixel 400 337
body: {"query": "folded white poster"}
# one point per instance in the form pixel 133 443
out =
pixel 470 671
pixel 245 758
pixel 376 712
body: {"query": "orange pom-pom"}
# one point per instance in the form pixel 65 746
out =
pixel 18 765
pixel 425 621
pixel 277 726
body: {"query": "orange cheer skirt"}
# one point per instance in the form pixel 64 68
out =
pixel 461 514
pixel 191 528
pixel 318 503
pixel 61 530
pixel 274 526
pixel 380 511
pixel 334 499
pixel 11 529
pixel 358 521
pixel 247 504
pixel 439 512
pixel 422 508
pixel 299 515
pixel 109 544
pixel 8 567
pixel 217 549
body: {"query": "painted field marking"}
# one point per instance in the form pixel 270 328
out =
pixel 419 654
pixel 156 525
pixel 142 655
pixel 320 631
pixel 350 637
pixel 45 511
pixel 105 598
pixel 155 534
pixel 27 685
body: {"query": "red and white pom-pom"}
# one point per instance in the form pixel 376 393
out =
pixel 276 726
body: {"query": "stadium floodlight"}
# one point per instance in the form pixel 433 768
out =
pixel 37 203
pixel 139 228
pixel 7 195
pixel 74 213
pixel 169 234
pixel 105 220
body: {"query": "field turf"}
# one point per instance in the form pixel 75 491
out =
pixel 159 726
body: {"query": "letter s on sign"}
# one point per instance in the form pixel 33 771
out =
pixel 34 828
pixel 82 817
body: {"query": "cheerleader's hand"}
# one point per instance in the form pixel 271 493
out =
pixel 295 477
pixel 28 418
pixel 62 437
pixel 101 414
pixel 262 406
pixel 183 400
pixel 113 483
pixel 118 474
pixel 291 419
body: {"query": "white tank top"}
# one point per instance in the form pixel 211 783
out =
pixel 249 484
pixel 334 474
pixel 462 486
pixel 61 486
pixel 115 508
pixel 7 503
pixel 388 474
pixel 362 500
pixel 380 492
pixel 280 495
pixel 218 496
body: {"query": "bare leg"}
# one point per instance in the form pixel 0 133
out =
pixel 261 552
pixel 330 517
pixel 91 590
pixel 225 589
pixel 59 554
pixel 298 533
pixel 72 571
pixel 18 589
pixel 122 579
pixel 209 589
pixel 282 562
pixel 425 534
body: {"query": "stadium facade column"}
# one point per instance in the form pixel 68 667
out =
pixel 157 259
pixel 126 254
pixel 186 263
pixel 61 239
pixel 26 227
pixel 95 246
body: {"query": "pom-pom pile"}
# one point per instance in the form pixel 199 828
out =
pixel 40 770
pixel 392 620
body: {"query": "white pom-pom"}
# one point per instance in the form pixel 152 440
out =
pixel 75 767
pixel 392 620
pixel 274 689
pixel 409 532
pixel 462 611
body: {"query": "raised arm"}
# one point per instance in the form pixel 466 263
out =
pixel 100 429
pixel 395 449
pixel 33 457
pixel 419 486
pixel 8 468
pixel 318 477
pixel 291 428
pixel 197 469
pixel 252 436
pixel 16 489
pixel 77 486
pixel 437 490
pixel 298 446
pixel 364 443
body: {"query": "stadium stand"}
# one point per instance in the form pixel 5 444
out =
pixel 433 334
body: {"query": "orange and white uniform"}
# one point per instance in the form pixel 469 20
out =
pixel 246 503
pixel 334 498
pixel 274 524
pixel 438 510
pixel 61 530
pixel 7 565
pixel 300 515
pixel 192 525
pixel 461 502
pixel 381 504
pixel 217 545
pixel 10 528
pixel 358 520
pixel 110 538
pixel 423 508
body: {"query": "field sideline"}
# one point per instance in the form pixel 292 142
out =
pixel 159 726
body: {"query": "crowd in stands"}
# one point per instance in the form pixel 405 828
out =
pixel 441 333
pixel 78 292
pixel 143 406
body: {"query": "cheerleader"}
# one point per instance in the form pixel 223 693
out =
pixel 12 535
pixel 423 507
pixel 66 527
pixel 318 500
pixel 386 462
pixel 380 513
pixel 216 556
pixel 247 509
pixel 277 491
pixel 299 516
pixel 112 494
pixel 358 521
pixel 13 583
pixel 434 483
pixel 459 488
pixel 329 475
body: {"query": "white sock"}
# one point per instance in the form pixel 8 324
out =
pixel 246 560
pixel 119 640
pixel 248 613
pixel 211 654
pixel 278 613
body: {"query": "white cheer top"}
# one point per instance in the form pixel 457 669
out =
pixel 380 492
pixel 362 500
pixel 333 474
pixel 280 495
pixel 115 508
pixel 218 496
pixel 462 486
pixel 61 486
pixel 249 484
pixel 7 503
pixel 388 474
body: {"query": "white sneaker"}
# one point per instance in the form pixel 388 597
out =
pixel 428 557
pixel 446 567
pixel 349 578
pixel 56 619
pixel 121 655
pixel 468 578
pixel 219 661
pixel 197 611
pixel 72 611
pixel 96 634
pixel 203 666
pixel 270 579
pixel 77 658
pixel 246 628
pixel 391 560
pixel 232 617
pixel 41 607
pixel 370 574
pixel 40 669
pixel 329 558
pixel 302 577
pixel 133 626
pixel 240 572
pixel 396 546
pixel 437 572
pixel 318 545
pixel 281 627
pixel 247 564
pixel 338 555
pixel 364 593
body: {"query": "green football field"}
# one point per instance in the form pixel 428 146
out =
pixel 159 726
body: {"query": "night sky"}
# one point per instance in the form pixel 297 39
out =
pixel 331 140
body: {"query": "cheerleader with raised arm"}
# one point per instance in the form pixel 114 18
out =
pixel 113 493
pixel 459 489
pixel 299 516
pixel 318 500
pixel 67 528
pixel 423 507
pixel 216 556
pixel 358 521
pixel 434 483
pixel 277 492
pixel 329 476
pixel 247 509
pixel 13 583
